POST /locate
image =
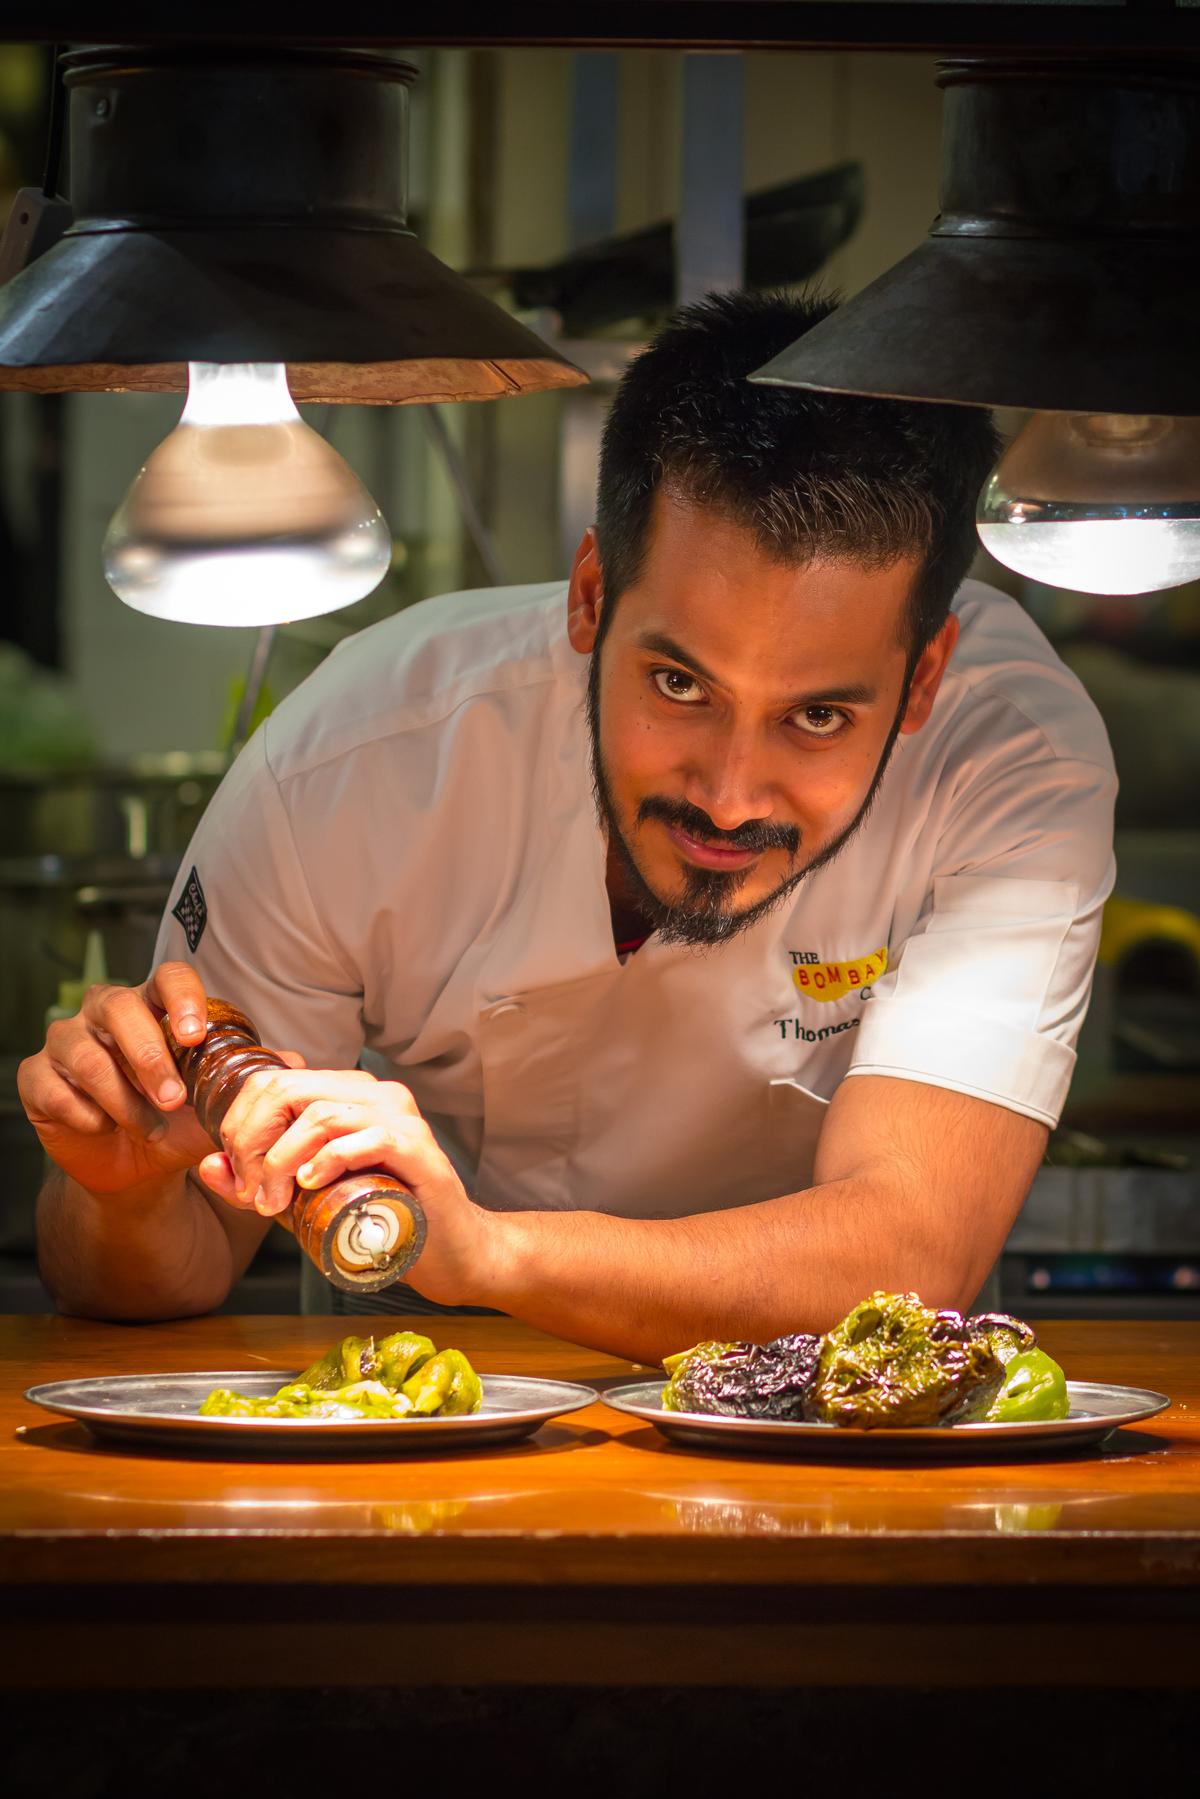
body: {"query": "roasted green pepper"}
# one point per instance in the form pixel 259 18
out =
pixel 400 1377
pixel 744 1380
pixel 402 1354
pixel 446 1384
pixel 1005 1336
pixel 679 1393
pixel 354 1358
pixel 896 1364
pixel 223 1402
pixel 892 1363
pixel 1034 1387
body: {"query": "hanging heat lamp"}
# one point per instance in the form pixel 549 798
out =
pixel 1060 277
pixel 239 232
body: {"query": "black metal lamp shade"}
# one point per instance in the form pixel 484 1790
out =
pixel 1063 272
pixel 252 208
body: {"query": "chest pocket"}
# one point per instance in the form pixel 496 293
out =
pixel 637 1101
pixel 531 1051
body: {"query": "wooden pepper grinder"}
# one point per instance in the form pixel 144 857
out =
pixel 362 1231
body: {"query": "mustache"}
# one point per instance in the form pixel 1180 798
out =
pixel 755 835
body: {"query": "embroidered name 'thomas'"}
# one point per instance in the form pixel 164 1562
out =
pixel 792 1027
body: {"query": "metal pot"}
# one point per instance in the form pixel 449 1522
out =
pixel 47 906
pixel 149 805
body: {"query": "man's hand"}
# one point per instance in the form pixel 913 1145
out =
pixel 309 1126
pixel 104 1094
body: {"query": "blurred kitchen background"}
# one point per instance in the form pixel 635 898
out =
pixel 560 180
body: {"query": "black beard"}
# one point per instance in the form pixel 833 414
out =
pixel 705 913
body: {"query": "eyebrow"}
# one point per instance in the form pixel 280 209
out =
pixel 660 645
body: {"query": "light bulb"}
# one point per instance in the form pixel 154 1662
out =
pixel 1099 502
pixel 244 515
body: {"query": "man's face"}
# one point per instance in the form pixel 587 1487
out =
pixel 742 712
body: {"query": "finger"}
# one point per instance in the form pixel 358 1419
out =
pixel 75 1054
pixel 373 1147
pixel 216 1171
pixel 50 1099
pixel 406 1149
pixel 122 1015
pixel 131 1074
pixel 176 989
pixel 398 1098
pixel 315 1126
pixel 272 1100
pixel 291 1058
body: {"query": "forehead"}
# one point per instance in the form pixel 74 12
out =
pixel 707 583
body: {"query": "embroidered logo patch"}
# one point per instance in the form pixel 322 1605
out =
pixel 834 980
pixel 191 909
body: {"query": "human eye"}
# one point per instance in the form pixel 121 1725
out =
pixel 675 684
pixel 820 721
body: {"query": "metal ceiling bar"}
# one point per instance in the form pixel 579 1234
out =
pixel 915 25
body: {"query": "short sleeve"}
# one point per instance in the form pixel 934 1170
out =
pixel 242 913
pixel 988 993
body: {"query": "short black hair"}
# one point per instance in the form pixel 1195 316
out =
pixel 838 476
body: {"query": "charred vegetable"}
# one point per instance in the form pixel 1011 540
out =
pixel 447 1385
pixel 401 1354
pixel 400 1377
pixel 352 1359
pixel 363 1399
pixel 894 1363
pixel 744 1380
pixel 682 1391
pixel 1034 1388
pixel 1006 1337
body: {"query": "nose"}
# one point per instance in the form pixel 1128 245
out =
pixel 731 779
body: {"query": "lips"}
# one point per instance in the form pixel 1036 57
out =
pixel 709 855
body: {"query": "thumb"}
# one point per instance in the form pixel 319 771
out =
pixel 216 1171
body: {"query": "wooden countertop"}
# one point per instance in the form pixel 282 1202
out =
pixel 594 1525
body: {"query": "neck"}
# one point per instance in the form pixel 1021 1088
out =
pixel 627 921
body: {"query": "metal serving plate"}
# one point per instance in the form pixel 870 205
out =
pixel 163 1411
pixel 1096 1411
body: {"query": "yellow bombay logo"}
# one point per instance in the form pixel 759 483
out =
pixel 834 980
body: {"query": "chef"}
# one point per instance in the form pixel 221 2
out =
pixel 704 940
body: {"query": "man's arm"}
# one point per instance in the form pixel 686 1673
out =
pixel 162 1250
pixel 916 1189
pixel 125 1235
pixel 125 1229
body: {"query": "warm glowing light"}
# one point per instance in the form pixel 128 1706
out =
pixel 244 515
pixel 1098 502
pixel 1121 555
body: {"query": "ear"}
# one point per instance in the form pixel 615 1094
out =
pixel 927 677
pixel 585 596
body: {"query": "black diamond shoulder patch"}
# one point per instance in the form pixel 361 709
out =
pixel 191 909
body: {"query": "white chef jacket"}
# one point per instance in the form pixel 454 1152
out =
pixel 406 859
